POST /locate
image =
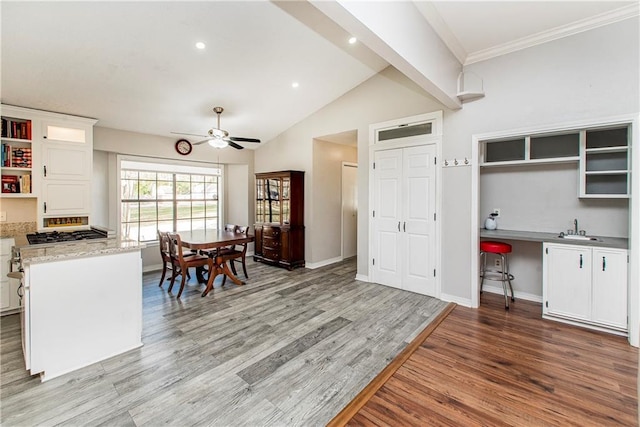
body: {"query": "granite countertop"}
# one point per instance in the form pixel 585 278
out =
pixel 537 236
pixel 79 249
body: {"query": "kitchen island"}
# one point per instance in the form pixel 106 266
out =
pixel 82 303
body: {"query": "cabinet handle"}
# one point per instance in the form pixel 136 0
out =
pixel 404 226
pixel 45 207
pixel 398 225
pixel 45 170
pixel 604 263
pixel 580 260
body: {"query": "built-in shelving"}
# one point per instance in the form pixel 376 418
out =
pixel 16 159
pixel 602 155
pixel 604 165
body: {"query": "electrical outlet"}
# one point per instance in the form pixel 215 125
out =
pixel 3 217
pixel 497 212
pixel 496 262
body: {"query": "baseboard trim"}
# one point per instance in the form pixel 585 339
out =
pixel 314 265
pixel 362 277
pixel 372 388
pixel 518 295
pixel 154 267
pixel 465 302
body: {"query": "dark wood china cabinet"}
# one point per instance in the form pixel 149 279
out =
pixel 279 227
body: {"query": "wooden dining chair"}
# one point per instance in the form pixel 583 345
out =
pixel 236 253
pixel 182 262
pixel 165 256
pixel 163 240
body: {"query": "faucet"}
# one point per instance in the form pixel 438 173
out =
pixel 575 223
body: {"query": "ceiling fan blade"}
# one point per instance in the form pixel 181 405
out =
pixel 238 139
pixel 192 134
pixel 234 145
pixel 201 142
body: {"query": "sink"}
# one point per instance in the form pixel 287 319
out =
pixel 576 237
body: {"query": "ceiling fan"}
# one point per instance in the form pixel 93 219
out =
pixel 218 137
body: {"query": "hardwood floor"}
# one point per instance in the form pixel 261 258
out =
pixel 493 367
pixel 288 348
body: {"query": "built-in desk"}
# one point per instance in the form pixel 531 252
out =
pixel 537 236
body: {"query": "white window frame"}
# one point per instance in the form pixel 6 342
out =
pixel 171 166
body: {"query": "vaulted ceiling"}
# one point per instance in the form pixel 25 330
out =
pixel 134 65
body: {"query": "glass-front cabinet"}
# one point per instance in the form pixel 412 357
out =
pixel 280 218
pixel 273 200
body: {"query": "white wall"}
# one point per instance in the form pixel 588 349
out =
pixel 386 96
pixel 545 198
pixel 100 189
pixel 587 76
pixel 327 192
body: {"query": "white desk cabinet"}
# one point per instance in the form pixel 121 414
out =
pixel 586 286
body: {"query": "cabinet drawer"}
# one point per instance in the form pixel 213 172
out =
pixel 271 232
pixel 272 254
pixel 270 242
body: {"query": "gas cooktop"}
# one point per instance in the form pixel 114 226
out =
pixel 65 236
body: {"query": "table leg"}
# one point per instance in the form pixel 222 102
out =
pixel 218 266
pixel 226 271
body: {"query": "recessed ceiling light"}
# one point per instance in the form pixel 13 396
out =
pixel 295 85
pixel 200 45
pixel 352 40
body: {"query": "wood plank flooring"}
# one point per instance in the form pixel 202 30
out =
pixel 491 367
pixel 288 348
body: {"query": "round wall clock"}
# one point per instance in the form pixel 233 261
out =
pixel 183 147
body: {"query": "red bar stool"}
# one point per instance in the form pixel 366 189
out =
pixel 500 249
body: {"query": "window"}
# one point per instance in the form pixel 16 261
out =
pixel 167 197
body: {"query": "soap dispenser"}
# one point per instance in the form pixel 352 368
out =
pixel 490 223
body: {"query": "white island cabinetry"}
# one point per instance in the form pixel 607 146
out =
pixel 585 286
pixel 83 304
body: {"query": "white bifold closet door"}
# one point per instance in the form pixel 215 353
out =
pixel 404 219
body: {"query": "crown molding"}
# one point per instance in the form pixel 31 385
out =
pixel 587 24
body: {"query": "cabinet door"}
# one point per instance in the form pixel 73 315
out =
pixel 66 197
pixel 5 295
pixel 66 161
pixel 609 305
pixel 567 281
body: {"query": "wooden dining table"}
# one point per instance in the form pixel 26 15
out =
pixel 208 241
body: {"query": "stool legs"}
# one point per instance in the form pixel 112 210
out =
pixel 505 276
pixel 483 264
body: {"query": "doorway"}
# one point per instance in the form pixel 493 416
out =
pixel 349 209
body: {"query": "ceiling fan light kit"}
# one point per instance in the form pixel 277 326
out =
pixel 218 143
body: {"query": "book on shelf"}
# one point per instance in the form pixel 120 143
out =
pixel 25 183
pixel 16 157
pixel 10 184
pixel 16 128
pixel 20 158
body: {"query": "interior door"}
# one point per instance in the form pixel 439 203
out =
pixel 387 217
pixel 349 210
pixel 418 219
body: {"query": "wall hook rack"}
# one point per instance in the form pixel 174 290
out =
pixel 455 162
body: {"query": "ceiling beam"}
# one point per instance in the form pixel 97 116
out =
pixel 400 34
